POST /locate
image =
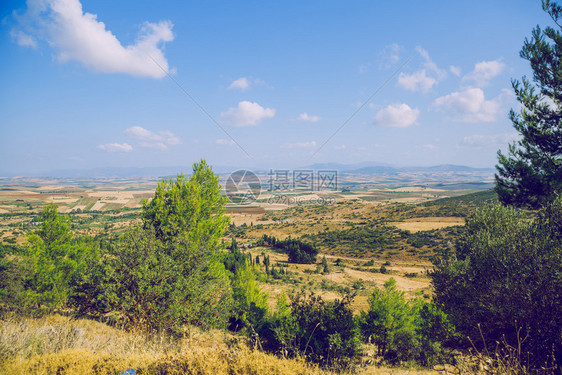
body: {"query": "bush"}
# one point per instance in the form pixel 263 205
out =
pixel 298 251
pixel 169 271
pixel 251 306
pixel 507 275
pixel 54 262
pixel 325 330
pixel 11 284
pixel 161 285
pixel 405 331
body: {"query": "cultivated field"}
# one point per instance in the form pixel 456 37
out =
pixel 360 228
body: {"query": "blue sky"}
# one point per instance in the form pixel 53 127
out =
pixel 89 84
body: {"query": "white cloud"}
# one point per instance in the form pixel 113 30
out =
pixel 482 141
pixel 247 114
pixel 424 79
pixel 225 142
pixel 429 147
pixel 430 65
pixel 468 105
pixel 23 39
pixel 340 147
pixel 240 84
pixel 455 70
pixel 244 83
pixel 418 81
pixel 160 140
pixel 390 55
pixel 116 147
pixel 398 115
pixel 299 145
pixel 79 36
pixel 484 71
pixel 306 117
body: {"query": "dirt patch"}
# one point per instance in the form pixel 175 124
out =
pixel 428 223
pixel 414 189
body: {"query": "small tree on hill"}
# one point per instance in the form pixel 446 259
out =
pixel 169 272
pixel 53 261
pixel 191 207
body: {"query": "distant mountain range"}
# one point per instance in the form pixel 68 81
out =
pixel 365 168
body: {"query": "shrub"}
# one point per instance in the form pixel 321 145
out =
pixel 298 251
pixel 54 262
pixel 169 271
pixel 325 330
pixel 507 276
pixel 157 285
pixel 402 330
pixel 250 301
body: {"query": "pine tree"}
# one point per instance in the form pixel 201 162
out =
pixel 531 173
pixel 169 272
pixel 52 261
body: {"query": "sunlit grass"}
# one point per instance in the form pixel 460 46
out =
pixel 61 345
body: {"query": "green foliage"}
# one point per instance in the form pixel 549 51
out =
pixel 235 259
pixel 435 331
pixel 531 173
pixel 169 272
pixel 325 266
pixel 251 306
pixel 402 330
pixel 160 285
pixel 52 263
pixel 11 277
pixel 190 207
pixel 507 276
pixel 388 315
pixel 12 283
pixel 325 331
pixel 89 287
pixel 368 237
pixel 298 251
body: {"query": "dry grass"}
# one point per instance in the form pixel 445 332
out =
pixel 428 223
pixel 61 345
pixel 57 344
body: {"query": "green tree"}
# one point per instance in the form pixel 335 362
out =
pixel 507 276
pixel 169 272
pixel 251 306
pixel 11 282
pixel 52 261
pixel 325 266
pixel 89 294
pixel 160 285
pixel 191 207
pixel 325 331
pixel 405 330
pixel 531 173
pixel 388 319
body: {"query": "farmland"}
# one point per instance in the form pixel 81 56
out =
pixel 368 233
